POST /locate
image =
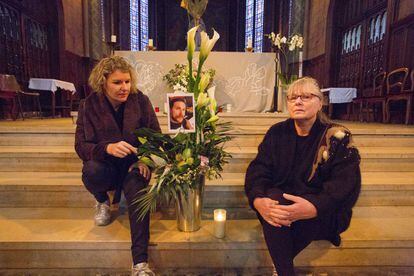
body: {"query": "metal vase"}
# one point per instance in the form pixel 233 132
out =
pixel 189 207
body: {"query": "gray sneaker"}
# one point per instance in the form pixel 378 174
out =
pixel 103 213
pixel 141 269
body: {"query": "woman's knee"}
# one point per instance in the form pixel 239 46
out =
pixel 134 183
pixel 94 169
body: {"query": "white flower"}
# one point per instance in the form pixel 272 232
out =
pixel 299 43
pixel 207 44
pixel 211 92
pixel 339 134
pixel 283 40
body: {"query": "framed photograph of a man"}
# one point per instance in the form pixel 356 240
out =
pixel 181 112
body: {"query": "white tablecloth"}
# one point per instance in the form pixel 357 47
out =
pixel 340 94
pixel 51 85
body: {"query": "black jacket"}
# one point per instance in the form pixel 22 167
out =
pixel 333 179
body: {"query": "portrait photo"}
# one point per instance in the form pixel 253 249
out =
pixel 181 112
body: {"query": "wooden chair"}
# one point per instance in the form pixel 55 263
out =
pixel 396 81
pixel 377 97
pixel 371 96
pixel 10 90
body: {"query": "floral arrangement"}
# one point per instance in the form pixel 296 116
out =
pixel 287 49
pixel 179 161
pixel 177 78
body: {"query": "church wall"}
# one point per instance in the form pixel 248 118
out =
pixel 318 12
pixel 406 8
pixel 73 20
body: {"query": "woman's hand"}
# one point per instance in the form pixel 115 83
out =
pixel 120 149
pixel 143 169
pixel 300 209
pixel 271 212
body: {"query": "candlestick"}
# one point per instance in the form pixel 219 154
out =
pixel 219 223
pixel 300 64
pixel 249 43
pixel 113 38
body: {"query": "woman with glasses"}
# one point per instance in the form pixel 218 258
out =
pixel 305 178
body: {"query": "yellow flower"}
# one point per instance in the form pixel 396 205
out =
pixel 187 153
pixel 213 119
pixel 207 44
pixel 184 4
pixel 213 106
pixel 142 140
pixel 205 80
pixel 202 100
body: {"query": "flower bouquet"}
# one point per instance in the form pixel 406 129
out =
pixel 178 77
pixel 182 162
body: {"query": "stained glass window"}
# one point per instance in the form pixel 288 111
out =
pixel 254 23
pixel 138 24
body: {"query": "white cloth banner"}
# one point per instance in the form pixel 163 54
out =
pixel 244 80
pixel 51 85
pixel 340 94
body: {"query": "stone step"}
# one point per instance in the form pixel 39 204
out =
pixel 66 238
pixel 65 189
pixel 64 158
pixel 60 132
pixel 245 138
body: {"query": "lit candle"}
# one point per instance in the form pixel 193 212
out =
pixel 150 42
pixel 165 108
pixel 249 43
pixel 113 38
pixel 219 223
pixel 300 64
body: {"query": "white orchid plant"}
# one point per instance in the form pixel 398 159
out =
pixel 178 161
pixel 288 48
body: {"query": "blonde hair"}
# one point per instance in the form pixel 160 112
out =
pixel 309 85
pixel 107 66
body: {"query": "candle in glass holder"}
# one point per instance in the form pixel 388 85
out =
pixel 150 42
pixel 219 223
pixel 113 38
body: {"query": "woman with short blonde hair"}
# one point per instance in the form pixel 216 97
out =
pixel 106 143
pixel 107 66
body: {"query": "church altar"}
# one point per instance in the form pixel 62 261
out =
pixel 244 80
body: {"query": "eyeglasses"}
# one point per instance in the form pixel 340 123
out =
pixel 303 97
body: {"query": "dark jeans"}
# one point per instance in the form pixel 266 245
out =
pixel 284 243
pixel 101 177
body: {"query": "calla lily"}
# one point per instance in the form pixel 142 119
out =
pixel 159 162
pixel 211 91
pixel 213 107
pixel 205 80
pixel 207 44
pixel 191 42
pixel 202 100
pixel 213 119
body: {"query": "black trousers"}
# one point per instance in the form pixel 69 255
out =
pixel 101 177
pixel 284 243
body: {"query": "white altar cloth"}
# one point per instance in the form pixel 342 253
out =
pixel 244 80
